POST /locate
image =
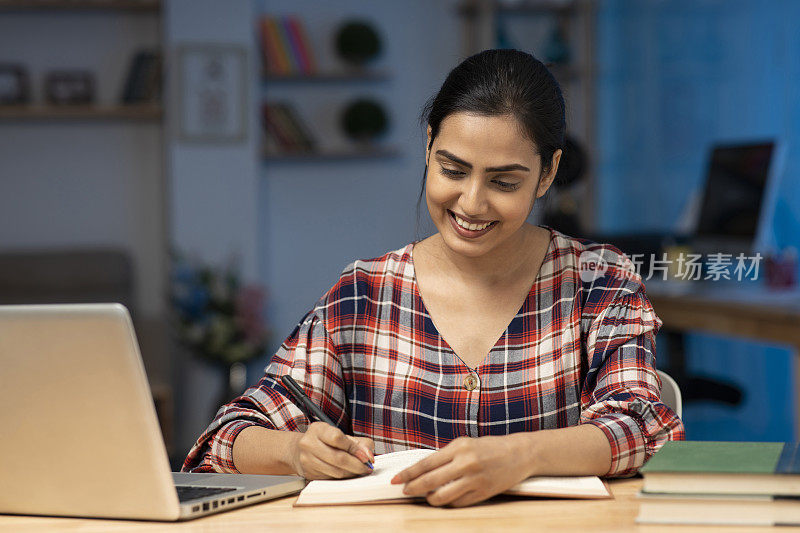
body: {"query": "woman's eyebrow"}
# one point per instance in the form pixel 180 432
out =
pixel 504 168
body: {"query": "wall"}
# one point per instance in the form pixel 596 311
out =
pixel 673 78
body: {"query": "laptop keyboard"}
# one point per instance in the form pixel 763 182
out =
pixel 186 493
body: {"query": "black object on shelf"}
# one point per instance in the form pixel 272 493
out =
pixel 364 120
pixel 357 42
pixel 143 83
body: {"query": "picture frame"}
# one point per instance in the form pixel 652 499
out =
pixel 212 93
pixel 15 88
pixel 65 87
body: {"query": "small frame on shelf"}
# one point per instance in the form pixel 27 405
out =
pixel 69 87
pixel 15 85
pixel 212 93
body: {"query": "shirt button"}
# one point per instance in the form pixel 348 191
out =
pixel 471 382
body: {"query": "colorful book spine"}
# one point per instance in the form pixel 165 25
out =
pixel 298 128
pixel 289 46
pixel 300 44
pixel 269 51
pixel 282 65
pixel 275 129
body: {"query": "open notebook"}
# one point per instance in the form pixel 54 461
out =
pixel 377 488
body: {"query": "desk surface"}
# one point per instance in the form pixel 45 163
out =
pixel 500 514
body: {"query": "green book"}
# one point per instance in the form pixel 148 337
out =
pixel 701 467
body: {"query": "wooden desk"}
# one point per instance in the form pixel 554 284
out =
pixel 500 514
pixel 746 313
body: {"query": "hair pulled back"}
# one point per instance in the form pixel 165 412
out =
pixel 502 82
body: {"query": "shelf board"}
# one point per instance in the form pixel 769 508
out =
pixel 333 154
pixel 330 76
pixel 105 5
pixel 524 7
pixel 81 112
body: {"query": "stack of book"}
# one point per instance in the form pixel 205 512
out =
pixel 285 46
pixel 285 131
pixel 722 483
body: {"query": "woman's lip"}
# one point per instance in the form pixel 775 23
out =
pixel 466 233
pixel 471 220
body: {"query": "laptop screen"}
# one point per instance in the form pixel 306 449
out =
pixel 734 193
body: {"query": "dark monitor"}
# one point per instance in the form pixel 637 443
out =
pixel 737 184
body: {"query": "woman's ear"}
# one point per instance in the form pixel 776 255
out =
pixel 547 180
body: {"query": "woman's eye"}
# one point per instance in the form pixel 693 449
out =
pixel 451 172
pixel 506 186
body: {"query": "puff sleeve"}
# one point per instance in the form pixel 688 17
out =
pixel 310 357
pixel 621 393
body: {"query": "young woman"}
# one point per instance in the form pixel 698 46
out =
pixel 484 341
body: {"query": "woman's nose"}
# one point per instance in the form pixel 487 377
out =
pixel 473 197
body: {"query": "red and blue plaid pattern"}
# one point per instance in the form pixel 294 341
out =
pixel 577 352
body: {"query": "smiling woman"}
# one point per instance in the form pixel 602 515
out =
pixel 483 341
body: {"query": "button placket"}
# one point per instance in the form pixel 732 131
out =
pixel 472 384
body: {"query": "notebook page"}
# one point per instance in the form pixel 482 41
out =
pixel 371 487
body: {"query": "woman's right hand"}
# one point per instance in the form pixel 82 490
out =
pixel 325 452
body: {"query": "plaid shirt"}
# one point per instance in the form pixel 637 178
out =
pixel 579 351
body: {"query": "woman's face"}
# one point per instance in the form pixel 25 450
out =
pixel 483 174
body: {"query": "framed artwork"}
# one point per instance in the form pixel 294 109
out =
pixel 212 93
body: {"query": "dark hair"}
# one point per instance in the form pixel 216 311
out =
pixel 502 82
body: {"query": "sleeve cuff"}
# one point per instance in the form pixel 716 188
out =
pixel 222 446
pixel 628 443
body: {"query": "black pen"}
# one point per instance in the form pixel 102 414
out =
pixel 307 406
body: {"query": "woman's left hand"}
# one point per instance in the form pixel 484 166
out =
pixel 466 471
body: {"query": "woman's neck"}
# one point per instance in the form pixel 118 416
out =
pixel 502 266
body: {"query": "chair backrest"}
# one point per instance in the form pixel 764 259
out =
pixel 671 393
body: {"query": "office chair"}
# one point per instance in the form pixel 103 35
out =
pixel 671 393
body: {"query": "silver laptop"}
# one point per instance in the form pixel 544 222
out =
pixel 80 435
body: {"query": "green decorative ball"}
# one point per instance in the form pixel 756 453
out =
pixel 364 120
pixel 357 42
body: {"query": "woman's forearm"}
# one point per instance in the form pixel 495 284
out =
pixel 573 451
pixel 258 450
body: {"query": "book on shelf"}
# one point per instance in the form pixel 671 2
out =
pixel 285 46
pixel 747 483
pixel 287 129
pixel 143 82
pixel 377 488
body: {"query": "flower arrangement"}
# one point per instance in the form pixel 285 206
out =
pixel 216 316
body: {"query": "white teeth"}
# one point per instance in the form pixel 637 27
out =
pixel 474 227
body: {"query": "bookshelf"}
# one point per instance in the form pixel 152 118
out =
pixel 289 61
